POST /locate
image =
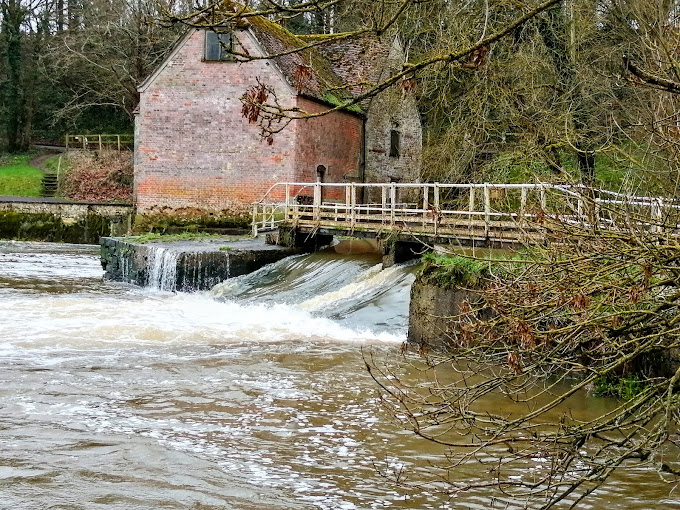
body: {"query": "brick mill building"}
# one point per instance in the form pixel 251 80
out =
pixel 196 154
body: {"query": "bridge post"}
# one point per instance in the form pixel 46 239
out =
pixel 471 207
pixel 255 220
pixel 544 200
pixel 487 209
pixel 353 205
pixel 436 216
pixel 317 201
pixel 393 199
pixel 426 203
pixel 383 190
pixel 285 207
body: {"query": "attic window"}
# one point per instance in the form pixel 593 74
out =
pixel 395 143
pixel 218 46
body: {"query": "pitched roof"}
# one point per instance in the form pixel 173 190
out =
pixel 333 71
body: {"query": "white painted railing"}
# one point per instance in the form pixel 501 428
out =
pixel 498 211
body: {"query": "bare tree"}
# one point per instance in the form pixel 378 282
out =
pixel 596 309
pixel 104 56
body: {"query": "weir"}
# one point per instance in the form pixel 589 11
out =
pixel 186 265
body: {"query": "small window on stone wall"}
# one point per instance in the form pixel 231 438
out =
pixel 218 46
pixel 395 143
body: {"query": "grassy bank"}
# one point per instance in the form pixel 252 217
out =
pixel 18 177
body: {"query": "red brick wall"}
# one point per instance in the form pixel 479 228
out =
pixel 334 141
pixel 194 148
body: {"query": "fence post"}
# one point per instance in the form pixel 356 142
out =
pixel 658 214
pixel 118 137
pixel 317 201
pixel 487 208
pixel 383 190
pixel 393 199
pixel 353 204
pixel 100 143
pixel 67 137
pixel 426 203
pixel 84 143
pixel 523 204
pixel 285 206
pixel 544 201
pixel 436 212
pixel 255 220
pixel 471 207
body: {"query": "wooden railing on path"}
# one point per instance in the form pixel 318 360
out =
pixel 99 142
pixel 485 212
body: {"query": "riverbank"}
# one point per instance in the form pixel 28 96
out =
pixel 54 220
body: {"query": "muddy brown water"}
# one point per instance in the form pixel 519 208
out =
pixel 252 396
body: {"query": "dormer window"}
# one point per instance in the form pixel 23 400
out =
pixel 218 46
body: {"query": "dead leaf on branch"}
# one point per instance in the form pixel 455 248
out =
pixel 580 302
pixel 302 77
pixel 253 102
pixel 515 362
pixel 527 339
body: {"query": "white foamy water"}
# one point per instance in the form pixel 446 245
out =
pixel 163 268
pixel 124 315
pixel 80 321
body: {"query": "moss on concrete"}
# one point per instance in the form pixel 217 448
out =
pixel 161 223
pixel 48 227
pixel 453 272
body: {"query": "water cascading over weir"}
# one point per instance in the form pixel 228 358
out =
pixel 185 265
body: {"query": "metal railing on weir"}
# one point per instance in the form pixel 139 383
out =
pixel 486 211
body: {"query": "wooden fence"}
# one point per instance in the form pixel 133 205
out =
pixel 99 142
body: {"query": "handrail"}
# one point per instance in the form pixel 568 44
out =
pixel 99 141
pixel 421 208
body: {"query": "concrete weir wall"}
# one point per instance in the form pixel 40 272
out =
pixel 185 265
pixel 431 309
pixel 59 221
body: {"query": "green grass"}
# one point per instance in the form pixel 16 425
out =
pixel 18 178
pixel 449 272
pixel 624 388
pixel 52 165
pixel 184 236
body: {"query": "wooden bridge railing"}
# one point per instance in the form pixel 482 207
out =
pixel 99 142
pixel 502 212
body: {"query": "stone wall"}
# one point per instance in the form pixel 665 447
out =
pixel 393 109
pixel 431 312
pixel 55 221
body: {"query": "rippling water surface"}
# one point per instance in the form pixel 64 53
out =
pixel 252 396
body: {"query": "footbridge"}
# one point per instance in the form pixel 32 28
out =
pixel 483 214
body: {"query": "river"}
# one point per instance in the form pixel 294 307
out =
pixel 252 396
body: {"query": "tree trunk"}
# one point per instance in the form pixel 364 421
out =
pixel 60 15
pixel 12 17
pixel 558 35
